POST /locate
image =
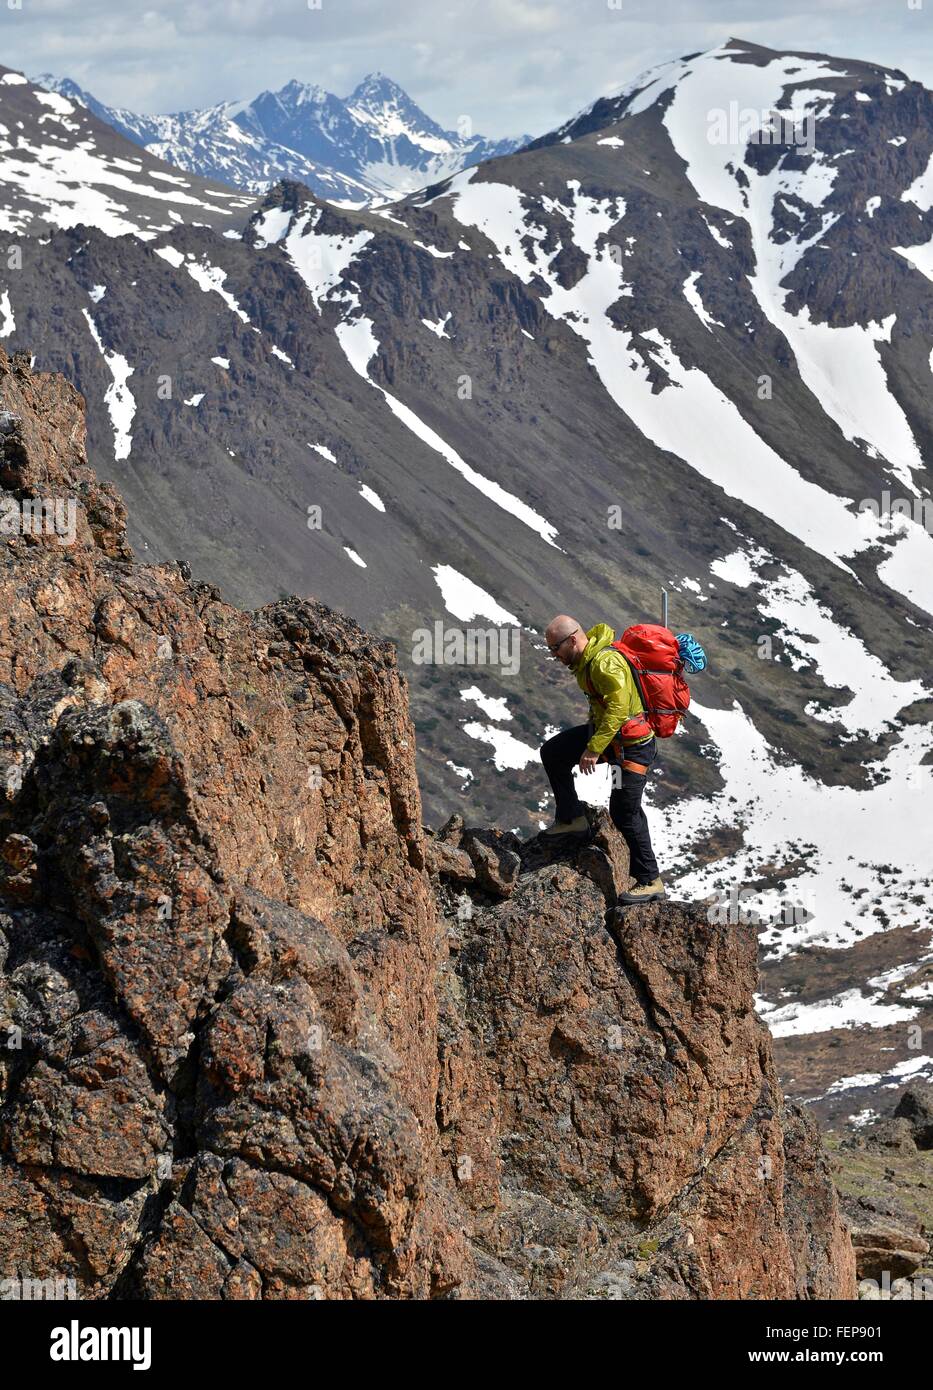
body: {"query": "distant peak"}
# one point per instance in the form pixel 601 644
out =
pixel 296 93
pixel 65 85
pixel 378 85
pixel 305 87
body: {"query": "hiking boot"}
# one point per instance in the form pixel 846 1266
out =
pixel 644 893
pixel 560 828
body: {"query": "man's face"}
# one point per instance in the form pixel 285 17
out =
pixel 564 649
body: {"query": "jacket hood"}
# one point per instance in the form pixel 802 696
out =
pixel 598 638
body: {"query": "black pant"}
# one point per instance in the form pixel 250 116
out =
pixel 560 756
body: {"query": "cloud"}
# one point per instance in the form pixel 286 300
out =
pixel 511 65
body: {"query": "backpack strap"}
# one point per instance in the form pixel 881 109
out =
pixel 635 678
pixel 618 744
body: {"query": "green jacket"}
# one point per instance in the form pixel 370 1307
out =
pixel 606 678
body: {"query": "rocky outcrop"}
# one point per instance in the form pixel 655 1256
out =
pixel 916 1108
pixel 261 1036
pixel 609 1100
pixel 885 1178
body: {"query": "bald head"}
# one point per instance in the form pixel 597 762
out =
pixel 559 627
pixel 566 638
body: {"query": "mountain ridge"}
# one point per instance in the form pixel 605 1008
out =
pixel 372 146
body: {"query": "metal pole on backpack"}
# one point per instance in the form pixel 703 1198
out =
pixel 664 608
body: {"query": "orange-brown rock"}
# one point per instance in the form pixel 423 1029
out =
pixel 617 1092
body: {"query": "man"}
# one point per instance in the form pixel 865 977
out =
pixel 617 732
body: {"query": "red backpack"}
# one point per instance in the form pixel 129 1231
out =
pixel 653 653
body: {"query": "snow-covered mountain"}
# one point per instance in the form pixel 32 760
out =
pixel 61 166
pixel 373 146
pixel 685 340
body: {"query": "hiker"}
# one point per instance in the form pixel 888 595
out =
pixel 618 733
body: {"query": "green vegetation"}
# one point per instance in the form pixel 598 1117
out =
pixel 907 1176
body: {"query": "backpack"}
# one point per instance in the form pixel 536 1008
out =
pixel 657 660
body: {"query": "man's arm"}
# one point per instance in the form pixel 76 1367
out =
pixel 612 679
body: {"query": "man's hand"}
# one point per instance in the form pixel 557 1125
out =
pixel 588 762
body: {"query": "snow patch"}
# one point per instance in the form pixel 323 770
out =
pixel 850 1009
pixel 440 255
pixel 849 850
pixel 692 296
pixel 118 398
pixel 360 345
pixel 319 259
pixel 466 600
pixel 371 497
pixel 509 753
pixel 8 325
pixel 211 278
pixel 920 257
pixel 494 707
pixel 921 190
pixel 440 327
pixel 811 636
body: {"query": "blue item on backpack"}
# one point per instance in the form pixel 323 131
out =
pixel 691 653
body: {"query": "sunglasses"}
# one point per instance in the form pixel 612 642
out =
pixel 556 648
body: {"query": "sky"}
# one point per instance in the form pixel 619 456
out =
pixel 512 66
